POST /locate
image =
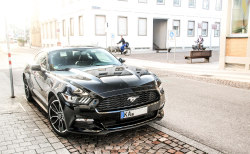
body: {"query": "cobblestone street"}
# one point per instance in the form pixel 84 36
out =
pixel 141 140
pixel 28 131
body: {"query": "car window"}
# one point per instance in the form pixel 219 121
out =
pixel 41 59
pixel 80 57
pixel 103 57
pixel 43 62
pixel 37 57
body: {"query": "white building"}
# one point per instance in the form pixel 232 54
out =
pixel 143 23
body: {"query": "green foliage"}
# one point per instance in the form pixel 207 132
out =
pixel 21 40
pixel 240 29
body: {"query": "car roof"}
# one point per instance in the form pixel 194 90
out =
pixel 68 47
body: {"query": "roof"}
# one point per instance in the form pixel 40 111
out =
pixel 67 47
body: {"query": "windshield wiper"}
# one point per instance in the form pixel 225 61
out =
pixel 64 69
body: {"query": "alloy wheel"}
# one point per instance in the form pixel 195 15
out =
pixel 56 117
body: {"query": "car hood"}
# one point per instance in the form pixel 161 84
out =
pixel 107 80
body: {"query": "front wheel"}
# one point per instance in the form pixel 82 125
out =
pixel 56 117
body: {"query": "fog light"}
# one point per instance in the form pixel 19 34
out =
pixel 85 120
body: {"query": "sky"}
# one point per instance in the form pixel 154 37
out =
pixel 17 12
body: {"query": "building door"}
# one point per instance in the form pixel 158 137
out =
pixel 159 33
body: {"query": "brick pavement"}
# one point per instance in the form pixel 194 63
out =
pixel 23 131
pixel 140 140
pixel 27 130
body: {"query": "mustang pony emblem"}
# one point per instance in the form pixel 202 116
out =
pixel 133 98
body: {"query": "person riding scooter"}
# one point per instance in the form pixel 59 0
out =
pixel 123 44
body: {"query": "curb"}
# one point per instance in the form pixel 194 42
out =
pixel 185 139
pixel 213 79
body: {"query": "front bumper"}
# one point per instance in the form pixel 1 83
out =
pixel 80 120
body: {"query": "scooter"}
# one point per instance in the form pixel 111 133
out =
pixel 127 49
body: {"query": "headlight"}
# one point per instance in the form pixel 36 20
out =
pixel 77 96
pixel 157 81
pixel 159 84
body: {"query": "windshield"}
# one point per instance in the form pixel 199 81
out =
pixel 79 58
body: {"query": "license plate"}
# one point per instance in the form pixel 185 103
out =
pixel 133 113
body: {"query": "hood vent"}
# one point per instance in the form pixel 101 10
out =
pixel 103 74
pixel 117 73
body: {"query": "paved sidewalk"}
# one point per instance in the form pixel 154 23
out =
pixel 22 131
pixel 21 128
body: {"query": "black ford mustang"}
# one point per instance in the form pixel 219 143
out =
pixel 88 90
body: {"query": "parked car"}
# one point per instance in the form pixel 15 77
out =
pixel 88 90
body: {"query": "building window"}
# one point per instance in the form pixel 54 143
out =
pixel 191 28
pixel 43 30
pixel 217 29
pixel 122 26
pixel 160 2
pixel 100 25
pixel 47 31
pixel 218 5
pixel 205 4
pixel 80 25
pixel 64 27
pixel 177 2
pixel 240 13
pixel 191 3
pixel 176 27
pixel 142 26
pixel 142 1
pixel 55 29
pixel 71 22
pixel 51 30
pixel 204 29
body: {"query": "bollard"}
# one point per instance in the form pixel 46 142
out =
pixel 10 63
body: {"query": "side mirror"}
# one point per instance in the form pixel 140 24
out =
pixel 35 67
pixel 121 60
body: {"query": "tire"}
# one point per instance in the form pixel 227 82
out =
pixel 27 91
pixel 127 52
pixel 56 117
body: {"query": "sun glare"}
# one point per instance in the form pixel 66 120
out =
pixel 16 12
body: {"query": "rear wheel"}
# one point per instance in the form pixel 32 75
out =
pixel 56 117
pixel 127 51
pixel 27 91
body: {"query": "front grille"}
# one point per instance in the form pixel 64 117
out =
pixel 121 101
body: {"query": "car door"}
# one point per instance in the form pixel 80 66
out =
pixel 42 78
pixel 34 75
